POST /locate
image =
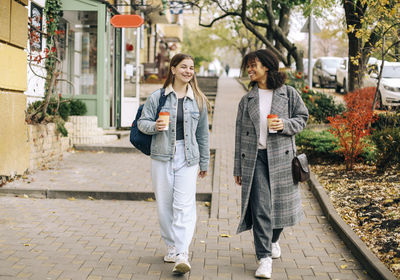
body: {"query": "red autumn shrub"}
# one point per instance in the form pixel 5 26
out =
pixel 353 125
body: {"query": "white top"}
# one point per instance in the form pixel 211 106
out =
pixel 265 98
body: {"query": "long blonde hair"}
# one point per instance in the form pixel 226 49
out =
pixel 200 97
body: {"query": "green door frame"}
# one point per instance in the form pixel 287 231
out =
pixel 102 100
pixel 118 77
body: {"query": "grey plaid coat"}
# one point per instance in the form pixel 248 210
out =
pixel 281 148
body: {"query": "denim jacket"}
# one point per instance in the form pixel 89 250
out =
pixel 195 128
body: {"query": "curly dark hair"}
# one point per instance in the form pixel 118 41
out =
pixel 275 78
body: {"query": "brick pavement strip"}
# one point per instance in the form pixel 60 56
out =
pixel 108 239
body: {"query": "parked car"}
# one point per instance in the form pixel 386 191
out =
pixel 341 76
pixel 389 88
pixel 324 71
pixel 342 82
pixel 305 64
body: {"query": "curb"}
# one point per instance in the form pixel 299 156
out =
pixel 104 148
pixel 96 195
pixel 375 268
pixel 215 185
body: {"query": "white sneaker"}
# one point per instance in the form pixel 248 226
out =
pixel 275 250
pixel 171 254
pixel 181 264
pixel 265 269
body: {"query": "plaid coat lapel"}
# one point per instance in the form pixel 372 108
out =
pixel 254 109
pixel 279 101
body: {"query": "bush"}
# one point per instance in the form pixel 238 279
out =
pixel 318 145
pixel 319 105
pixel 323 145
pixel 77 107
pixel 352 126
pixel 387 142
pixel 386 120
pixel 66 107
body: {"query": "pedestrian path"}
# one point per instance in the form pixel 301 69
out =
pixel 110 239
pixel 97 171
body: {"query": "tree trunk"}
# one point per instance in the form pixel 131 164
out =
pixel 284 15
pixel 353 19
pixel 354 49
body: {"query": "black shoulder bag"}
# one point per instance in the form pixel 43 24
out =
pixel 300 169
pixel 138 139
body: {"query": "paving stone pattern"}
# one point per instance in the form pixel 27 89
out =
pixel 98 171
pixel 94 239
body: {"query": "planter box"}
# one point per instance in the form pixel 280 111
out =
pixel 208 84
pixel 46 144
pixel 85 131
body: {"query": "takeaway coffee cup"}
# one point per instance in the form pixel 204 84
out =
pixel 270 118
pixel 164 116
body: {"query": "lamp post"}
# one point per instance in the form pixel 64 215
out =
pixel 310 27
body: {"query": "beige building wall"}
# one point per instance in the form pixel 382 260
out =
pixel 14 146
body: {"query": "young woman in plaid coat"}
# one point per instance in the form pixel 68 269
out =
pixel 263 155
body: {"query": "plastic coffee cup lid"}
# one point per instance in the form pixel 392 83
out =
pixel 272 116
pixel 164 114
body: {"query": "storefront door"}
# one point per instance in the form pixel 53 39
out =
pixel 88 58
pixel 130 83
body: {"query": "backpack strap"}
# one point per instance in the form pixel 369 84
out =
pixel 161 101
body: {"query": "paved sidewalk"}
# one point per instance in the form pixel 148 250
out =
pixel 97 171
pixel 109 239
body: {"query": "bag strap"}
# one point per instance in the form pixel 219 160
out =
pixel 290 115
pixel 161 101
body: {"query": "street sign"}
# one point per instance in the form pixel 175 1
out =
pixel 127 21
pixel 315 27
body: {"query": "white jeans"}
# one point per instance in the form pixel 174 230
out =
pixel 174 185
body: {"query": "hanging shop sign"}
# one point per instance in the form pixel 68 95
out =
pixel 127 21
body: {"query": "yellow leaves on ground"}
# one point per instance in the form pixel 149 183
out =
pixel 369 203
pixel 225 235
pixel 149 199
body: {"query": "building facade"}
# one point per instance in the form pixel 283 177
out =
pixel 14 148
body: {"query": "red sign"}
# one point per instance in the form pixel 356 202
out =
pixel 127 21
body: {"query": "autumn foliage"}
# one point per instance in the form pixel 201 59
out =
pixel 354 124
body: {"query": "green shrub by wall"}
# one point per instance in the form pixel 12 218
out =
pixel 319 105
pixel 58 112
pixel 387 120
pixel 323 146
pixel 387 142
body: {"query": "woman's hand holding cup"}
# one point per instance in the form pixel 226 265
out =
pixel 274 123
pixel 160 125
pixel 163 121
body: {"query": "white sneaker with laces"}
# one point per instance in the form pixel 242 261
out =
pixel 275 250
pixel 265 268
pixel 182 264
pixel 171 254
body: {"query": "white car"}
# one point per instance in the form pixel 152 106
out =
pixel 324 71
pixel 389 88
pixel 341 76
pixel 342 82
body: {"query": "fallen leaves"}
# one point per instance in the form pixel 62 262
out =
pixel 369 203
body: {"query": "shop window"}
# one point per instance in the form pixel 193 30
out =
pixel 79 53
pixel 130 63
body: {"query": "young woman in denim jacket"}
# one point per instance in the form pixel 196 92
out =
pixel 177 154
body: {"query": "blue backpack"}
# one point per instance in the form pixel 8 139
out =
pixel 138 139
